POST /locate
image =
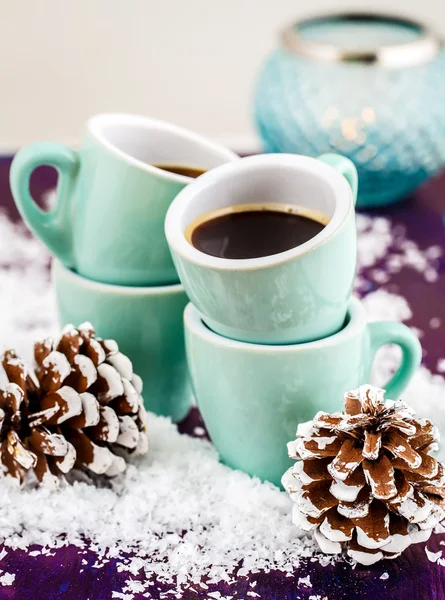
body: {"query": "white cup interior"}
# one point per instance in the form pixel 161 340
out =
pixel 264 179
pixel 155 142
pixel 271 184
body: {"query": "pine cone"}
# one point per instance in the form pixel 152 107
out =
pixel 365 481
pixel 81 408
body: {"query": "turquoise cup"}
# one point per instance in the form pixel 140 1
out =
pixel 146 322
pixel 294 296
pixel 108 220
pixel 252 397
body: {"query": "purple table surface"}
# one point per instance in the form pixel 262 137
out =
pixel 61 575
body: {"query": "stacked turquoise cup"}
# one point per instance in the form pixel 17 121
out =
pixel 112 265
pixel 274 339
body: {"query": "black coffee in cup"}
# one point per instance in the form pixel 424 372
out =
pixel 192 172
pixel 252 231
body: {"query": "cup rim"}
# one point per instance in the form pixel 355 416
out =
pixel 195 324
pixel 219 175
pixel 60 270
pixel 96 123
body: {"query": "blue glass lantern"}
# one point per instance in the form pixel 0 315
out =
pixel 369 87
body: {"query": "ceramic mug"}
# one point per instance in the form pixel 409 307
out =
pixel 108 221
pixel 294 296
pixel 252 397
pixel 148 326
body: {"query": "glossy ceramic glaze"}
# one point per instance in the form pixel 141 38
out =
pixel 295 296
pixel 253 396
pixel 146 323
pixel 108 221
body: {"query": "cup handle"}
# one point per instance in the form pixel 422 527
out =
pixel 52 227
pixel 391 332
pixel 346 167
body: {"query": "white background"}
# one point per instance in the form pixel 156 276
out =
pixel 192 62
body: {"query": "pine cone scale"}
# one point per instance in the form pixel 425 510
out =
pixel 407 428
pixel 108 384
pixel 89 415
pixel 346 492
pixel 42 470
pixel 428 468
pixel 433 490
pixel 423 442
pixel 53 371
pixel 96 458
pixel 128 402
pixel 323 447
pixel 13 398
pixel 122 364
pixel 379 474
pixel 67 401
pixel 128 433
pixel 365 556
pixel 399 447
pixel 404 488
pixel 83 373
pixel 69 345
pixel 358 508
pixel 107 429
pixel 314 470
pixel 16 449
pixel 317 500
pixel 14 370
pixel 372 444
pixel 337 527
pixel 373 530
pixel 348 458
pixel 43 416
pixel 53 444
pixel 10 466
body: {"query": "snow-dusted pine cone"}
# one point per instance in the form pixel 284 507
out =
pixel 81 407
pixel 365 480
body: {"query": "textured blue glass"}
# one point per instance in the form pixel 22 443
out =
pixel 390 122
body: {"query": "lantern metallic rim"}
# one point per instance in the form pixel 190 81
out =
pixel 405 54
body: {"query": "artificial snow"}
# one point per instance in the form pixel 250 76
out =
pixel 7 579
pixel 306 581
pixel 177 513
pixel 433 556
